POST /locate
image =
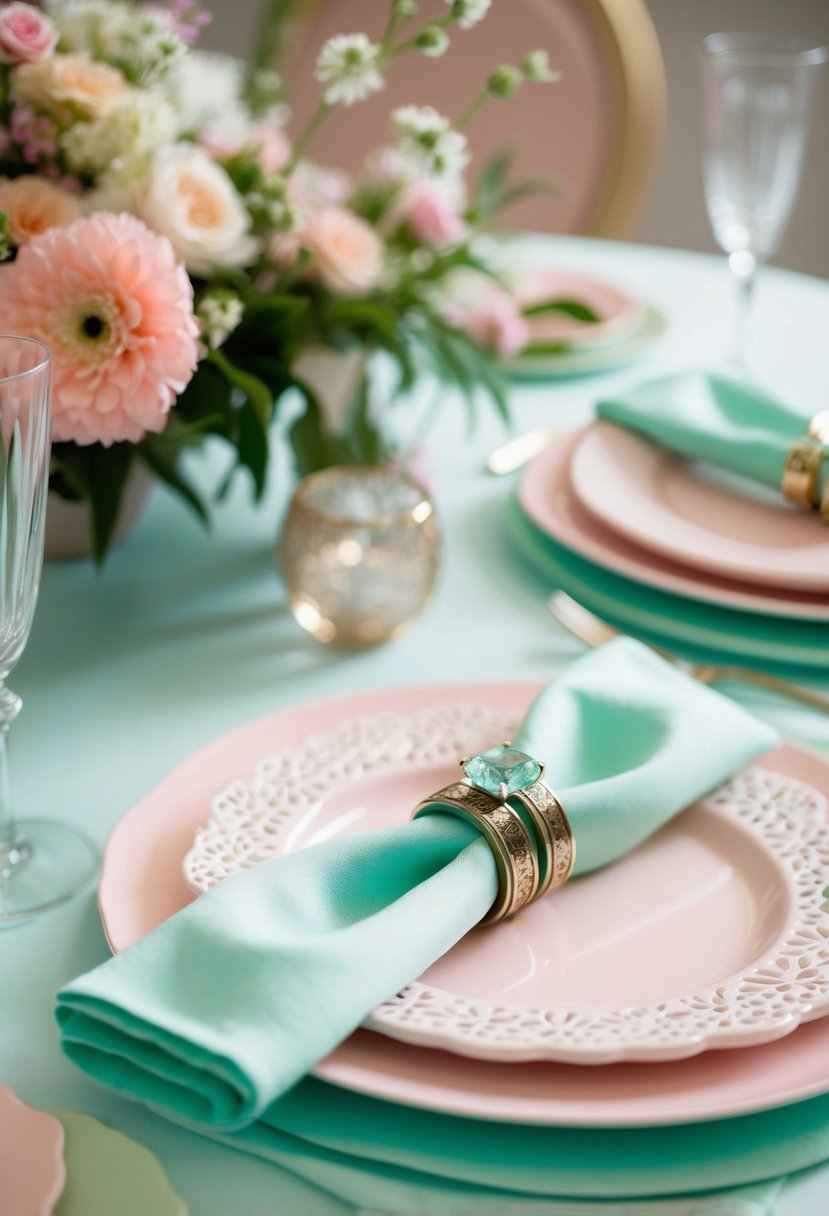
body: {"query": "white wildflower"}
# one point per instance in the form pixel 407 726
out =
pixel 205 89
pixel 218 313
pixel 428 138
pixel 469 12
pixel 140 40
pixel 118 148
pixel 347 64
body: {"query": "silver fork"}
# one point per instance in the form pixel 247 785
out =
pixel 584 624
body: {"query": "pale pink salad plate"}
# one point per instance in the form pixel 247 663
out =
pixel 619 314
pixel 739 881
pixel 547 497
pixel 32 1170
pixel 696 515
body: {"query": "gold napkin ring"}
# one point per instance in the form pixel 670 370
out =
pixel 556 843
pixel 503 793
pixel 506 836
pixel 801 473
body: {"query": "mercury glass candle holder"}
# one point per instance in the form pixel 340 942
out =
pixel 359 553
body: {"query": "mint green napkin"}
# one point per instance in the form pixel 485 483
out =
pixel 707 416
pixel 228 1004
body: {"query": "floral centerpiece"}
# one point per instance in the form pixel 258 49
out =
pixel 178 252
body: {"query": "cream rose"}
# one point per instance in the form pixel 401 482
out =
pixel 191 200
pixel 347 252
pixel 25 33
pixel 66 85
pixel 34 205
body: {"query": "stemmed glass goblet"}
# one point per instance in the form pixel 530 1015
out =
pixel 757 93
pixel 42 863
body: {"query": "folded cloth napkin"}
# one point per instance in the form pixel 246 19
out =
pixel 707 416
pixel 228 1004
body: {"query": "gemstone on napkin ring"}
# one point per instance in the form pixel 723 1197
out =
pixel 507 773
pixel 818 428
pixel 801 473
pixel 493 781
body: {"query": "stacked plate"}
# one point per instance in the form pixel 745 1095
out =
pixel 579 324
pixel 63 1163
pixel 678 553
pixel 694 971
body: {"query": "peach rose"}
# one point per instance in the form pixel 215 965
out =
pixel 347 252
pixel 34 205
pixel 68 84
pixel 25 33
pixel 192 201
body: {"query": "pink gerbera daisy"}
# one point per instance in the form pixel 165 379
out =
pixel 107 295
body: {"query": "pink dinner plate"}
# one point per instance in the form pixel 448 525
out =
pixel 619 314
pixel 142 885
pixel 547 497
pixel 696 515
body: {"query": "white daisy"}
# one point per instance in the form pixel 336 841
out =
pixel 347 64
pixel 469 12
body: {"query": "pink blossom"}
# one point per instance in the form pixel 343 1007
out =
pixel 430 215
pixel 346 252
pixel 493 319
pixel 311 186
pixel 266 140
pixel 25 33
pixel 107 295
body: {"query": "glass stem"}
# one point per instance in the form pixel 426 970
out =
pixel 744 268
pixel 12 849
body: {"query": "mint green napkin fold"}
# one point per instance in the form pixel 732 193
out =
pixel 228 1004
pixel 708 416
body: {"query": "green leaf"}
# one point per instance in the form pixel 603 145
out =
pixel 311 446
pixel 161 456
pixel 362 437
pixel 546 348
pixel 572 308
pixel 253 447
pixel 255 390
pixel 95 475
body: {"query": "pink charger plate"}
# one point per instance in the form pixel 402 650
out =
pixel 547 497
pixel 142 885
pixel 698 516
pixel 619 314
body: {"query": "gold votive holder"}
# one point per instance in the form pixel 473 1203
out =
pixel 359 553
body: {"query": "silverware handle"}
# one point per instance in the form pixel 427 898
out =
pixel 808 696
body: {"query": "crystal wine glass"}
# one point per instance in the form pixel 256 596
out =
pixel 757 93
pixel 42 863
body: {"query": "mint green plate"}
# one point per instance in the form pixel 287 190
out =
pixel 701 631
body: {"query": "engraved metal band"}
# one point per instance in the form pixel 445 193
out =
pixel 801 473
pixel 505 834
pixel 557 846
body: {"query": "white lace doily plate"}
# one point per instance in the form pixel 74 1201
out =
pixel 711 934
